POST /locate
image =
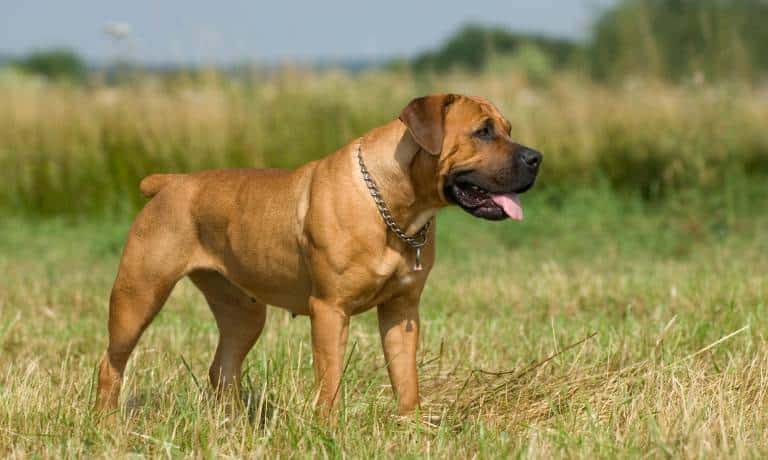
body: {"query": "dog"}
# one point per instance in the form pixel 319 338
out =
pixel 330 239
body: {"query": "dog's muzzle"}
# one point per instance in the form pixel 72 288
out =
pixel 497 197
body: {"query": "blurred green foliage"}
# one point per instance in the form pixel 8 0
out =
pixel 528 59
pixel 474 46
pixel 670 39
pixel 674 39
pixel 55 64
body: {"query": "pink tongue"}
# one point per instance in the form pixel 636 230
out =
pixel 510 202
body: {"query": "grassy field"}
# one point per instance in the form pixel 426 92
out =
pixel 624 317
pixel 82 150
pixel 604 325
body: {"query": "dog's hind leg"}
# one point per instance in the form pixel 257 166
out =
pixel 133 304
pixel 240 320
pixel 151 265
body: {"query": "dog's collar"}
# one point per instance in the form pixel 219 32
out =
pixel 419 239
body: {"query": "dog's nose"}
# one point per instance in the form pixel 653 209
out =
pixel 529 158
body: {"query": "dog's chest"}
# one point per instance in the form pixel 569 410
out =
pixel 399 280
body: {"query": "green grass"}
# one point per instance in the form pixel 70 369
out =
pixel 655 283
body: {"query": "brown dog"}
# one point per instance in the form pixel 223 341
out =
pixel 312 240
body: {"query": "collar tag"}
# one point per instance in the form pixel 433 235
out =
pixel 417 265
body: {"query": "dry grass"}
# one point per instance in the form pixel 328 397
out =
pixel 599 327
pixel 83 150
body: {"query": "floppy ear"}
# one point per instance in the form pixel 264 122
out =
pixel 425 117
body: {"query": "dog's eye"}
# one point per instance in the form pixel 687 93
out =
pixel 486 132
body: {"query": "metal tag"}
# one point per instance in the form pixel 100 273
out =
pixel 417 266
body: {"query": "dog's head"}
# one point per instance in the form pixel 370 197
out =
pixel 480 167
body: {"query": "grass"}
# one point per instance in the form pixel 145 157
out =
pixel 83 150
pixel 603 325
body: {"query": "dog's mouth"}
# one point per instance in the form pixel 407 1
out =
pixel 481 202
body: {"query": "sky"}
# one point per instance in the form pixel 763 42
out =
pixel 227 31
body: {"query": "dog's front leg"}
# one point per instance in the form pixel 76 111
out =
pixel 399 328
pixel 330 328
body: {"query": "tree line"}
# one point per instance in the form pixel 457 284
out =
pixel 669 39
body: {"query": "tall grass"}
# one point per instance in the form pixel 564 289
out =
pixel 74 150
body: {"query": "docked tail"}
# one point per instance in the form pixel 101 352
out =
pixel 151 185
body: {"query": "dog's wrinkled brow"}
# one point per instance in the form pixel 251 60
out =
pixel 491 109
pixel 506 125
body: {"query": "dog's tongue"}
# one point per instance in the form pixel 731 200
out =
pixel 510 203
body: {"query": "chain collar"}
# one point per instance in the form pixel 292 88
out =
pixel 419 239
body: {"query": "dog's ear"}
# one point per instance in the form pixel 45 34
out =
pixel 425 117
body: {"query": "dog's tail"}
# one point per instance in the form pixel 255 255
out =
pixel 151 185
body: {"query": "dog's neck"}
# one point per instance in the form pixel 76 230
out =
pixel 405 174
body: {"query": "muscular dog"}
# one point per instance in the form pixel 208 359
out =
pixel 313 241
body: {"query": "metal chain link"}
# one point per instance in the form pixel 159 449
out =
pixel 417 240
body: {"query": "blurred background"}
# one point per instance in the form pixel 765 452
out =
pixel 645 96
